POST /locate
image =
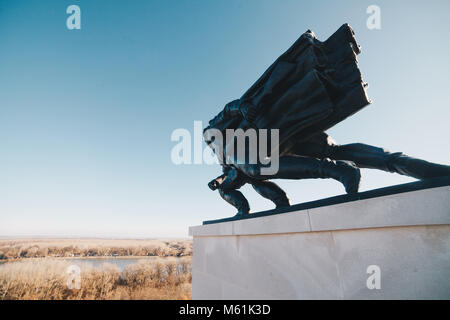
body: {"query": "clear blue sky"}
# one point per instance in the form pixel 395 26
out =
pixel 86 115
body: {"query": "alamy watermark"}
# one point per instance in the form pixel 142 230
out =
pixel 374 280
pixel 74 278
pixel 238 147
pixel 74 20
pixel 374 20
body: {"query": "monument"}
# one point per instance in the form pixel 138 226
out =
pixel 308 89
pixel 391 243
pixel 320 249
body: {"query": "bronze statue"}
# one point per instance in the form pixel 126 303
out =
pixel 307 90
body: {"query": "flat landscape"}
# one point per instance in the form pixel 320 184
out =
pixel 38 268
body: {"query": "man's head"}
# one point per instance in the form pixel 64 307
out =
pixel 214 139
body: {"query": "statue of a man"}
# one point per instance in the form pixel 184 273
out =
pixel 311 87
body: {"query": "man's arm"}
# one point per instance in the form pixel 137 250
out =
pixel 215 183
pixel 228 181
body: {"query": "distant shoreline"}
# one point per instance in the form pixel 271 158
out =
pixel 92 257
pixel 76 248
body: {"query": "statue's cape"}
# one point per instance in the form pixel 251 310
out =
pixel 309 88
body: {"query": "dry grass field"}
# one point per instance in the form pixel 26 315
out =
pixel 38 269
pixel 40 248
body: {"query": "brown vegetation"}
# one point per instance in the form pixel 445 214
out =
pixel 39 248
pixel 161 278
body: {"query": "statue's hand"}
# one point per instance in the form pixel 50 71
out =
pixel 213 185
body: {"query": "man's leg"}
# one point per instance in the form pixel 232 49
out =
pixel 366 156
pixel 236 199
pixel 296 167
pixel 271 191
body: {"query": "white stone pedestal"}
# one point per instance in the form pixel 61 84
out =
pixel 324 252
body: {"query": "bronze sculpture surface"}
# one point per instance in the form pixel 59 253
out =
pixel 307 90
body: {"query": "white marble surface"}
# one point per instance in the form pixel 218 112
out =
pixel 324 253
pixel 429 206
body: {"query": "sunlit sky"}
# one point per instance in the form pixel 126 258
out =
pixel 86 115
